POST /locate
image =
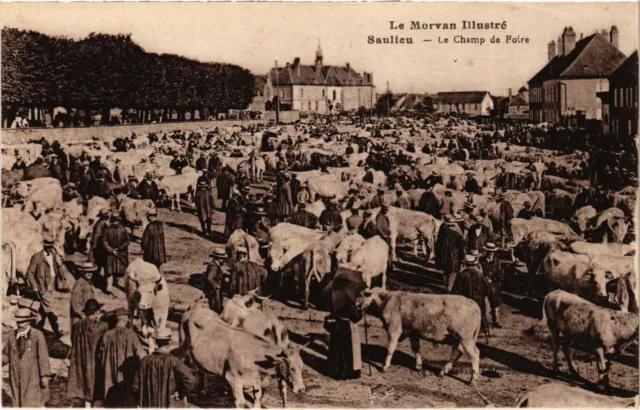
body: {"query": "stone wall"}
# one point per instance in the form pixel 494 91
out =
pixel 109 133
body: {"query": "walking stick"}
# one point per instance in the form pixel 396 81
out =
pixel 366 339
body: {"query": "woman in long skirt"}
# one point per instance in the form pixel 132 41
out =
pixel 345 360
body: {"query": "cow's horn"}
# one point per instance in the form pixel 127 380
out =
pixel 159 280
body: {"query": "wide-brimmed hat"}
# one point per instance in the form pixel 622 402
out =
pixel 48 243
pixel 259 211
pixel 163 334
pixel 91 307
pixel 202 183
pixel 120 312
pixel 24 315
pixel 148 175
pixel 490 247
pixel 474 252
pixel 457 216
pixel 526 202
pixel 86 267
pixel 470 260
pixel 245 189
pixel 219 253
pixel 398 187
pixel 478 219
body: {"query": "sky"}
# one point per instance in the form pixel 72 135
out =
pixel 256 35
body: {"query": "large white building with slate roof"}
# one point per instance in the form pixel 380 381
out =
pixel 474 103
pixel 320 88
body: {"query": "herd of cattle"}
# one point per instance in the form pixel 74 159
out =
pixel 594 302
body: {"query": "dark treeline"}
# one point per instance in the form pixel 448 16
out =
pixel 104 71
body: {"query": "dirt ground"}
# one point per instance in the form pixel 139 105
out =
pixel 511 362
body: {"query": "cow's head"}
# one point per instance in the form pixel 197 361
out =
pixel 147 292
pixel 370 299
pixel 276 257
pixel 21 189
pixel 596 281
pixel 289 367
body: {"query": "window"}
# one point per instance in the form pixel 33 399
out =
pixel 281 93
pixel 323 92
pixel 317 104
pixel 615 97
pixel 302 93
pixel 309 105
pixel 476 107
pixel 334 94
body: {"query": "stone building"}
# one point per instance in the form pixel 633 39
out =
pixel 620 104
pixel 565 90
pixel 474 103
pixel 319 88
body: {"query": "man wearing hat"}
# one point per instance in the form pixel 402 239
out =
pixel 450 249
pixel 236 213
pixel 115 246
pixel 215 279
pixel 161 376
pixel 245 275
pixel 86 335
pixel 526 212
pixel 430 204
pixel 118 356
pixel 477 235
pixel 204 203
pixel 57 169
pixel 131 187
pixel 95 248
pixel 354 221
pixel 70 192
pixel 448 206
pixel 368 176
pixel 302 217
pixel 148 189
pixel 506 215
pixel 470 283
pixel 303 194
pixel 28 358
pixel 46 274
pixel 432 180
pixel 403 200
pixel 295 185
pixel 331 219
pixel 152 242
pixel 82 291
pixel 492 270
pixel 377 200
pixel 471 185
pixel 284 199
pixel 19 164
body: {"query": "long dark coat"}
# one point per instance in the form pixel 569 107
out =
pixel 492 270
pixel 475 241
pixel 470 283
pixel 295 186
pixel 96 252
pixel 161 375
pixel 302 217
pixel 81 292
pixel 204 204
pixel 26 369
pixel 223 185
pixel 506 215
pixel 284 200
pixel 118 357
pixel 213 286
pixel 450 249
pixel 153 245
pixel 148 189
pixel 430 204
pixel 82 372
pixel 38 277
pixel 245 277
pixel 116 236
pixel 345 361
pixel 58 172
pixel 236 213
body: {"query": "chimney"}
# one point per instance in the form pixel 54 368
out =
pixel 551 50
pixel 510 93
pixel 560 46
pixel 348 66
pixel 568 40
pixel 296 65
pixel 581 36
pixel 319 56
pixel 604 33
pixel 613 36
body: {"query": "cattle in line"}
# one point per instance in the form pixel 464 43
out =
pixel 147 297
pixel 371 259
pixel 595 249
pixel 346 248
pixel 286 241
pixel 606 332
pixel 245 312
pixel 316 260
pixel 436 318
pixel 246 361
pixel 176 185
pixel 38 195
pixel 560 395
pixel 521 227
pixel 135 212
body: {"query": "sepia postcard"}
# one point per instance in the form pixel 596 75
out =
pixel 319 205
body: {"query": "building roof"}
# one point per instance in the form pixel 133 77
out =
pixel 259 81
pixel 301 74
pixel 462 97
pixel 593 56
pixel 629 68
pixel 523 89
pixel 518 100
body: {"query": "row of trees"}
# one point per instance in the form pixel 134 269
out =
pixel 105 71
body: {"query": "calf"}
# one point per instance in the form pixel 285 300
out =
pixel 243 312
pixel 372 259
pixel 436 318
pixel 579 321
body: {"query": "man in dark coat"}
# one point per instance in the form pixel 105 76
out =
pixel 57 170
pixel 214 285
pixel 271 209
pixel 506 215
pixel 201 163
pixel 19 164
pixel 526 212
pixel 131 187
pixel 117 359
pixel 302 217
pixel 82 292
pixel 368 176
pixel 377 200
pixel 295 187
pixel 433 179
pixel 204 203
pixel 235 214
pixel 284 200
pixel 331 219
pixel 25 351
pixel 492 270
pixel 86 335
pixel 46 274
pixel 224 183
pixel 354 221
pixel 115 244
pixel 383 225
pixel 450 249
pixel 584 198
pixel 430 204
pixel 161 375
pixel 477 235
pixel 471 186
pixel 213 166
pixel 95 250
pixel 148 189
pixel 246 276
pixel 152 242
pixel 470 283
